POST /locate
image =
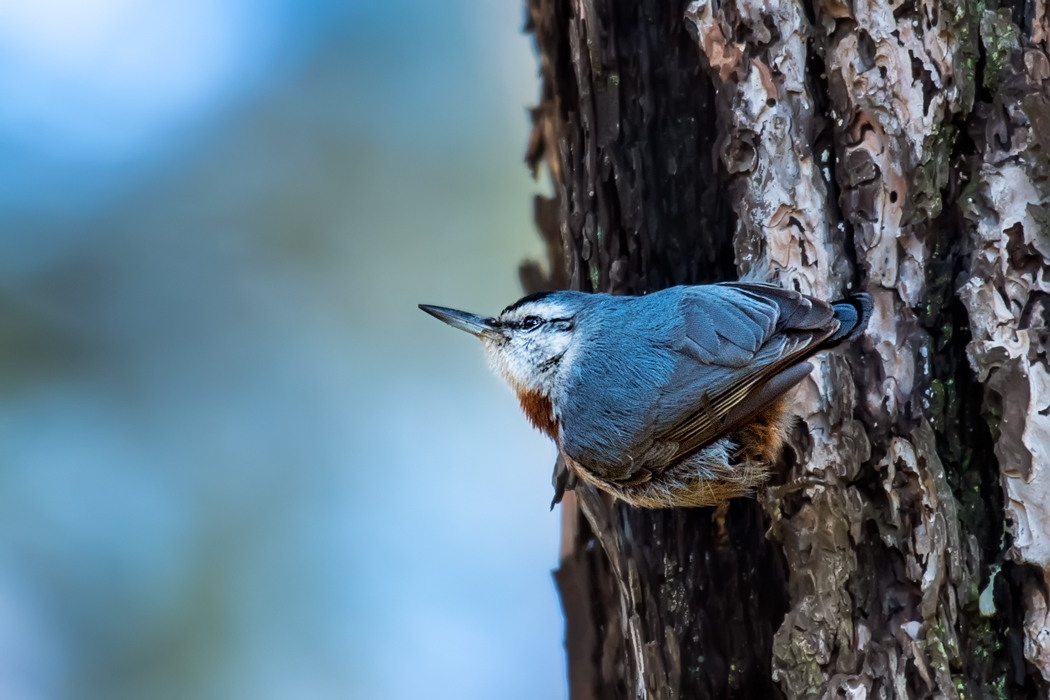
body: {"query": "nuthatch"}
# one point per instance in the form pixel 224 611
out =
pixel 676 398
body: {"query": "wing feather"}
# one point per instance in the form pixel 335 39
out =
pixel 782 326
pixel 706 424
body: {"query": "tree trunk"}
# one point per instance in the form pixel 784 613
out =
pixel 903 549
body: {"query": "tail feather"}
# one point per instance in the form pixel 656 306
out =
pixel 853 315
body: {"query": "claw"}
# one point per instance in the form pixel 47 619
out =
pixel 563 479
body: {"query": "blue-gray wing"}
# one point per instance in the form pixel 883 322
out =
pixel 741 348
pixel 729 350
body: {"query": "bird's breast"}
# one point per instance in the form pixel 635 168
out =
pixel 540 412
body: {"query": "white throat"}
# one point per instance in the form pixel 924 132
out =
pixel 530 365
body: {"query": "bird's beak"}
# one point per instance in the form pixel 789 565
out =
pixel 475 325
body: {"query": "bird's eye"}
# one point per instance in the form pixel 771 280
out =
pixel 530 322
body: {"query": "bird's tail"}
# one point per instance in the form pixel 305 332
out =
pixel 853 314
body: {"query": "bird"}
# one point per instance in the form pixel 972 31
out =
pixel 677 398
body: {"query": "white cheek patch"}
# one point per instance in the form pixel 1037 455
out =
pixel 513 366
pixel 509 364
pixel 557 346
pixel 520 361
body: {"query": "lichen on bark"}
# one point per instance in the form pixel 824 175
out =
pixel 1005 292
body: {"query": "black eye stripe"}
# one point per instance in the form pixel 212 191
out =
pixel 535 321
pixel 531 322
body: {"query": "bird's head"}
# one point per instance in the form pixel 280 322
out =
pixel 528 341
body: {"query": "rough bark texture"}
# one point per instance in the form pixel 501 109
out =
pixel 901 148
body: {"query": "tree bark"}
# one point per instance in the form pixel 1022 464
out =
pixel 903 550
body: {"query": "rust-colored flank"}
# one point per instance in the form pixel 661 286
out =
pixel 761 439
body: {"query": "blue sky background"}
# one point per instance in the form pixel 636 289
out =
pixel 235 460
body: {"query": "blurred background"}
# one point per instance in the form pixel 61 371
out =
pixel 235 460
